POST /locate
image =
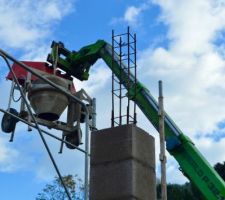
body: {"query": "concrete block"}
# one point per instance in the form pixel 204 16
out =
pixel 110 181
pixel 122 164
pixel 143 147
pixel 110 145
pixel 121 143
pixel 128 179
pixel 144 182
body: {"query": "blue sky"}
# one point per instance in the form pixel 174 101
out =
pixel 179 42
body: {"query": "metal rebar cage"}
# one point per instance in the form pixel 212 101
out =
pixel 123 109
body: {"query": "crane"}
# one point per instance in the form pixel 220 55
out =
pixel 192 163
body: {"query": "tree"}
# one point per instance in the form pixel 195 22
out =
pixel 177 192
pixel 220 168
pixel 197 194
pixel 55 190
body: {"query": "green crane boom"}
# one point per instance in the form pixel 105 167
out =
pixel 192 163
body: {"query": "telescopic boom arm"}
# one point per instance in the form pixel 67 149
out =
pixel 192 163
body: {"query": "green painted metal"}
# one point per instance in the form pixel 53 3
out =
pixel 192 163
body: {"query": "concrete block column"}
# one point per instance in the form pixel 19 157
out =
pixel 122 164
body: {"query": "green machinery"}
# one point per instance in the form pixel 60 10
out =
pixel 192 163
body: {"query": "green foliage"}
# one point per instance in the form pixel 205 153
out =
pixel 177 192
pixel 55 190
pixel 197 194
pixel 220 168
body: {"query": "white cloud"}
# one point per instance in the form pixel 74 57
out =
pixel 8 157
pixel 214 151
pixel 26 24
pixel 12 159
pixel 37 54
pixel 132 15
pixel 192 66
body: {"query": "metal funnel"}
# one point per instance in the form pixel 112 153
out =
pixel 47 102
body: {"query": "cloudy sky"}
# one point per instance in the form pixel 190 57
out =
pixel 179 42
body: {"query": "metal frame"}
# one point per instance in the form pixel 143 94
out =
pixel 162 155
pixel 125 44
pixel 7 57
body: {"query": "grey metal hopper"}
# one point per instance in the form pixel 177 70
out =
pixel 47 102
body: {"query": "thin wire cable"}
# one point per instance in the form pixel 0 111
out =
pixel 13 96
pixel 38 128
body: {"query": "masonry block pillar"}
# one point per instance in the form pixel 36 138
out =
pixel 122 164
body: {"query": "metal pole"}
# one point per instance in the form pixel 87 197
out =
pixel 87 163
pixel 94 114
pixel 113 85
pixel 162 156
pixel 135 76
pixel 128 66
pixel 120 83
